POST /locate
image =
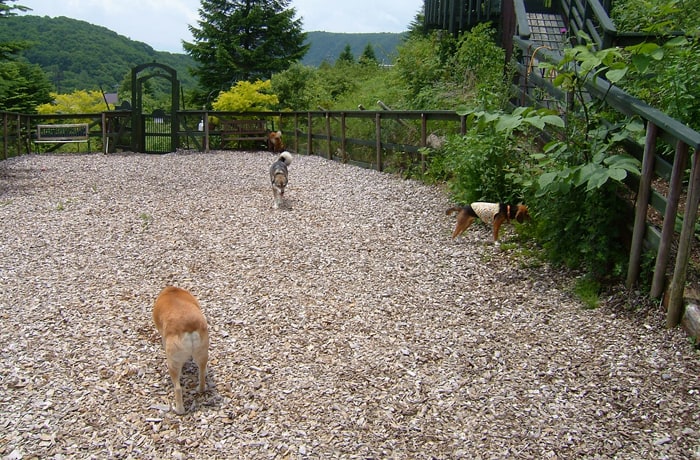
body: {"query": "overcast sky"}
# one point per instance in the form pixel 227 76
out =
pixel 163 23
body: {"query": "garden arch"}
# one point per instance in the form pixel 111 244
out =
pixel 155 132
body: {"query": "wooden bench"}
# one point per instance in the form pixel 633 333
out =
pixel 63 134
pixel 242 131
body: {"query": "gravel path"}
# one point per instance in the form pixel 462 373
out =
pixel 348 326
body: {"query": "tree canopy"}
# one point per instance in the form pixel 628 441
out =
pixel 244 40
pixel 23 86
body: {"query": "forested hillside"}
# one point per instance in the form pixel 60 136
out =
pixel 79 55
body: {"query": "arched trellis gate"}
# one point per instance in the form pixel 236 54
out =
pixel 155 132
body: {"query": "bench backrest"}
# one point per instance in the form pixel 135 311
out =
pixel 65 132
pixel 244 126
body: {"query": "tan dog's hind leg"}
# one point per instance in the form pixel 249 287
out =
pixel 175 371
pixel 464 221
pixel 201 357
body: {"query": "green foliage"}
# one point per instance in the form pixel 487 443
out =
pixel 10 49
pixel 346 57
pixel 368 56
pixel 418 63
pixel 22 87
pixel 656 16
pixel 342 86
pixel 667 77
pixel 441 71
pixel 578 198
pixel 75 102
pixel 588 290
pixel 486 164
pixel 245 96
pixel 297 87
pixel 583 229
pixel 478 64
pixel 244 40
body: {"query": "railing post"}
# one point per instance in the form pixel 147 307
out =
pixel 19 135
pixel 296 132
pixel 423 140
pixel 378 134
pixel 328 136
pixel 640 214
pixel 4 137
pixel 105 139
pixel 675 301
pixel 343 143
pixel 206 131
pixel 674 193
pixel 309 135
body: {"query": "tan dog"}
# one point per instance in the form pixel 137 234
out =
pixel 183 327
pixel 274 142
pixel 489 213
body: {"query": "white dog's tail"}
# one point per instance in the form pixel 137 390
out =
pixel 286 157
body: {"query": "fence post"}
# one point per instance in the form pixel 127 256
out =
pixel 296 132
pixel 309 136
pixel 674 193
pixel 640 213
pixel 4 136
pixel 328 135
pixel 675 301
pixel 343 143
pixel 378 134
pixel 423 140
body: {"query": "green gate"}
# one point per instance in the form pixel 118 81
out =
pixel 155 132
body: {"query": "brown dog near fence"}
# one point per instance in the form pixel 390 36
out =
pixel 274 142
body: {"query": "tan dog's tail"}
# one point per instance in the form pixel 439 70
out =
pixel 453 210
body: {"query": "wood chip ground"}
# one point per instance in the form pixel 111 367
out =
pixel 348 325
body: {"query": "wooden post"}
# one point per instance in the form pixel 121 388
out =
pixel 105 139
pixel 343 142
pixel 640 214
pixel 328 136
pixel 423 140
pixel 4 135
pixel 675 302
pixel 378 134
pixel 207 139
pixel 296 132
pixel 19 136
pixel 674 193
pixel 309 135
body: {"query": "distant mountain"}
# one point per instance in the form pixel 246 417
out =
pixel 79 55
pixel 327 46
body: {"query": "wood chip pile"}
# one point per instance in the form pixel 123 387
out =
pixel 348 325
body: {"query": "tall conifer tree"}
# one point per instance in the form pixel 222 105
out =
pixel 244 40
